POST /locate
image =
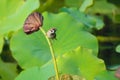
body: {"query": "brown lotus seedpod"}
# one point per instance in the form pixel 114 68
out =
pixel 66 77
pixel 33 22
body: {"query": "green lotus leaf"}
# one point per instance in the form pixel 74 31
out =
pixel 85 5
pixel 74 3
pixel 118 49
pixel 106 75
pixel 98 7
pixel 87 20
pixel 14 12
pixel 1 43
pixel 37 73
pixel 35 49
pixel 8 71
pixel 81 62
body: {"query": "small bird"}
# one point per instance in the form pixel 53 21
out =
pixel 51 33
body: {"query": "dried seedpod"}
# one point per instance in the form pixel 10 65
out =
pixel 62 77
pixel 33 22
pixel 51 33
pixel 66 77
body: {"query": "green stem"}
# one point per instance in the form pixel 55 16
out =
pixel 52 53
pixel 107 38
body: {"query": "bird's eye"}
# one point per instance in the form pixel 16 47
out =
pixel 52 31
